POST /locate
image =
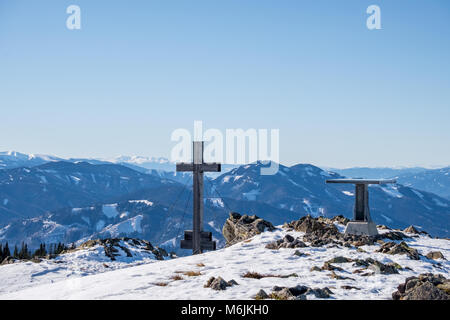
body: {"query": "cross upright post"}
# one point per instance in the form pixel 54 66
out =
pixel 196 239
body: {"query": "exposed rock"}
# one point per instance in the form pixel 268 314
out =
pixel 292 293
pixel 445 287
pixel 328 266
pixel 300 254
pixel 338 219
pixel 425 287
pixel 380 268
pixel 393 235
pixel 283 294
pixel 261 295
pixel 333 275
pixel 412 230
pixel 377 267
pixel 322 231
pixel 112 246
pixel 8 260
pixel 238 228
pixel 232 283
pixel 298 290
pixel 219 283
pixel 400 248
pixel 349 288
pixel 315 268
pixel 340 259
pixel 317 233
pixel 435 255
pixel 320 293
pixel 287 242
pixel 306 224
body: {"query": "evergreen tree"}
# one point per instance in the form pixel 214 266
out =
pixel 16 252
pixel 41 252
pixel 6 252
pixel 24 253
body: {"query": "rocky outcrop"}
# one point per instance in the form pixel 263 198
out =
pixel 370 264
pixel 378 267
pixel 287 242
pixel 413 230
pixel 8 260
pixel 340 259
pixel 320 293
pixel 112 246
pixel 219 283
pixel 238 228
pixel 329 267
pixel 337 219
pixel 316 232
pixel 435 255
pixel 294 293
pixel 308 224
pixel 427 286
pixel 399 248
pixel 261 295
pixel 289 293
pixel 322 231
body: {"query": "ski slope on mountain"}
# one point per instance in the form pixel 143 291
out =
pixel 86 279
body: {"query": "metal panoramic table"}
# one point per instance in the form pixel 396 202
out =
pixel 362 223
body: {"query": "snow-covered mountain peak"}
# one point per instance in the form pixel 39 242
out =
pixel 138 159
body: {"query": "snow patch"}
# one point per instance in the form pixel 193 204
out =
pixel 217 202
pixel 392 191
pixel 110 210
pixel 146 202
pixel 251 195
pixel 439 203
pixel 126 227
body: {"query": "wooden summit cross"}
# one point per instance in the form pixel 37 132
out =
pixel 197 239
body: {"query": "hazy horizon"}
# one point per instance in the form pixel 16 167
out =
pixel 325 167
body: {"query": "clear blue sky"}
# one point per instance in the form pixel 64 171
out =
pixel 340 94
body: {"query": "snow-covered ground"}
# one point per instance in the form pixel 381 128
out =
pixel 81 277
pixel 76 264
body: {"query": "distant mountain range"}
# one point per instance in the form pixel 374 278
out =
pixel 302 189
pixel 375 173
pixel 104 201
pixel 74 201
pixel 29 192
pixel 432 180
pixel 13 159
pixel 436 181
